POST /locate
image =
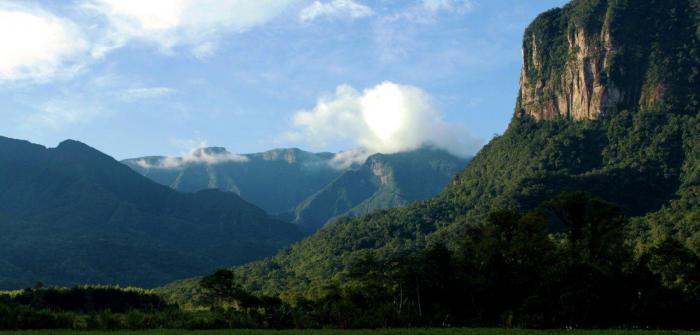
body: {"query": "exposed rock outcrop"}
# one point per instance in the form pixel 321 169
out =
pixel 598 56
pixel 580 90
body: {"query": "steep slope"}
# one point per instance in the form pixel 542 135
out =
pixel 609 104
pixel 276 180
pixel 383 181
pixel 307 188
pixel 72 215
pixel 598 56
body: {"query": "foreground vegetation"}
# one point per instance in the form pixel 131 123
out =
pixel 425 331
pixel 565 265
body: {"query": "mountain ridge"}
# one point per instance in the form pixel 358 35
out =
pixel 317 187
pixel 63 210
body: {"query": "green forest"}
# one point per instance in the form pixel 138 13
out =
pixel 558 223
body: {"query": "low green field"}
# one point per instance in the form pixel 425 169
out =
pixel 361 332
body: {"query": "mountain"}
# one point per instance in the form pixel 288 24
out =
pixel 609 104
pixel 383 181
pixel 306 188
pixel 72 215
pixel 276 180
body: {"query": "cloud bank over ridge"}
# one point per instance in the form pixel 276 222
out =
pixel 386 118
pixel 200 155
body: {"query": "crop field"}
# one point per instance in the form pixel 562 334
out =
pixel 451 331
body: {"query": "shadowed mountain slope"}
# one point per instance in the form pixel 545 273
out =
pixel 72 215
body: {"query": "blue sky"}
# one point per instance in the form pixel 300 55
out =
pixel 147 77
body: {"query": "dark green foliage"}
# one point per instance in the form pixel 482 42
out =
pixel 646 161
pixel 72 215
pixel 221 289
pixel 85 299
pixel 509 271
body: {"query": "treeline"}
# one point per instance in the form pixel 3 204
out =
pixel 566 264
pixel 84 307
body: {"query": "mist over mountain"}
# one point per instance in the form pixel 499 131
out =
pixel 383 181
pixel 73 215
pixel 276 180
pixel 307 188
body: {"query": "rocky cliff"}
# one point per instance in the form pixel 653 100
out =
pixel 593 57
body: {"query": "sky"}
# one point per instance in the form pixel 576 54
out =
pixel 162 77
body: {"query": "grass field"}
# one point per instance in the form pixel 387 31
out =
pixel 360 332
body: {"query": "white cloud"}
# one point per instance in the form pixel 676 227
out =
pixel 199 155
pixel 59 113
pixel 37 45
pixel 349 158
pixel 386 118
pixel 460 6
pixel 141 93
pixel 398 35
pixel 205 50
pixel 171 23
pixel 335 9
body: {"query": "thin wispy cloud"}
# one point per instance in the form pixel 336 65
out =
pixel 141 93
pixel 195 24
pixel 395 32
pixel 459 6
pixel 335 9
pixel 58 113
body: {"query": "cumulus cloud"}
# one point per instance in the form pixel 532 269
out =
pixel 171 23
pixel 335 9
pixel 386 118
pixel 37 45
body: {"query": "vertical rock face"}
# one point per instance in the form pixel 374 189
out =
pixel 579 91
pixel 593 57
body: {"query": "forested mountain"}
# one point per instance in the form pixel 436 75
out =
pixel 276 180
pixel 609 105
pixel 307 188
pixel 72 215
pixel 383 181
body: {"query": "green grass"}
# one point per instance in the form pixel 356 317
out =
pixel 452 331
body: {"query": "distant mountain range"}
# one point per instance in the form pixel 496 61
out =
pixel 275 180
pixel 308 188
pixel 73 215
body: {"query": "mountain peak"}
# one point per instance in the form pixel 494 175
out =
pixel 591 58
pixel 290 155
pixel 69 143
pixel 73 147
pixel 206 151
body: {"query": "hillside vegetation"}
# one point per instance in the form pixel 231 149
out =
pixel 73 215
pixel 641 155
